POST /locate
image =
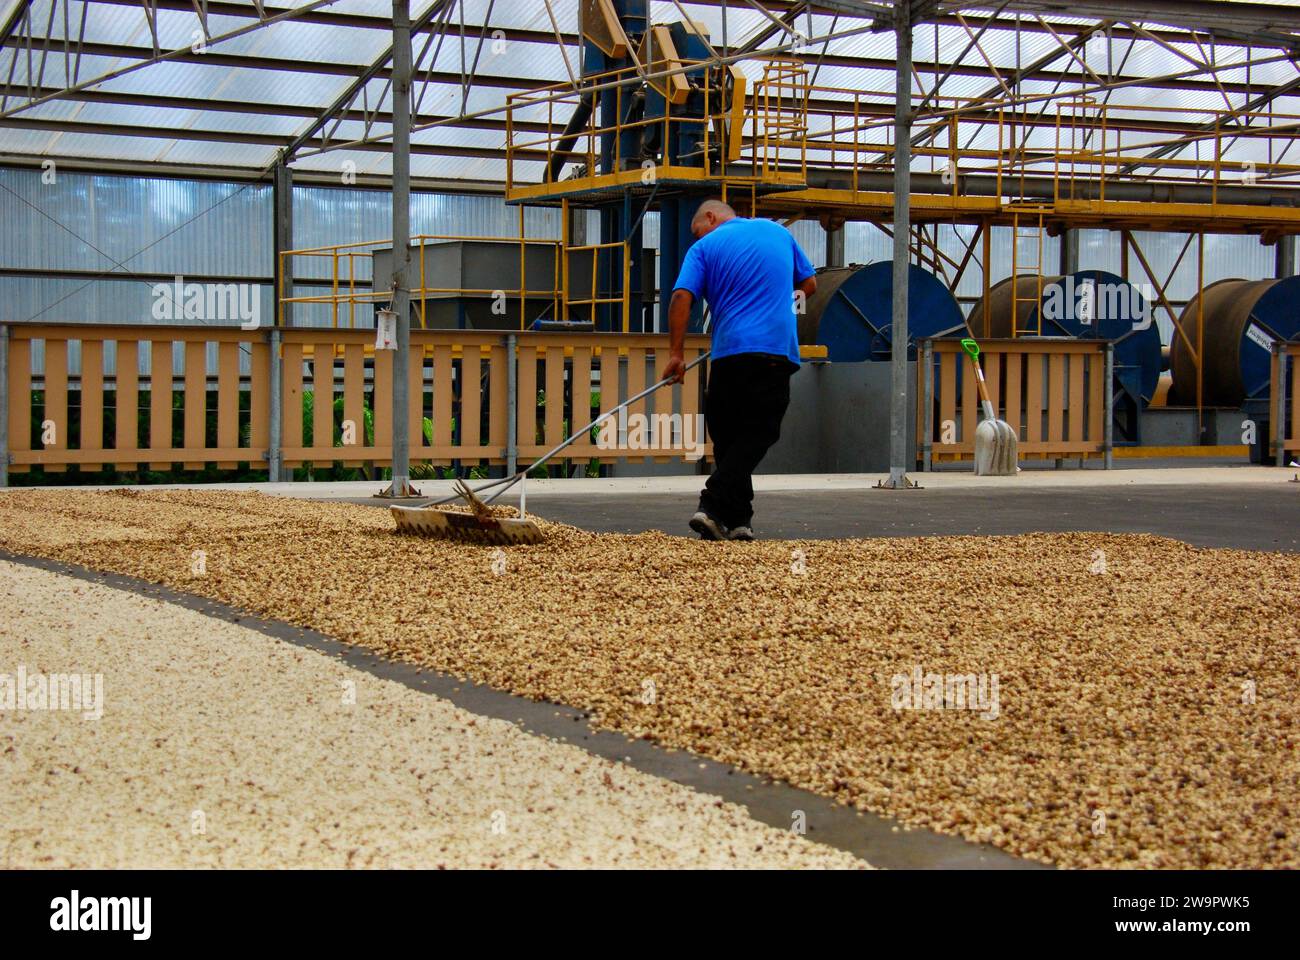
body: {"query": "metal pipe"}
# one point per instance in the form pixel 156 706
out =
pixel 1108 385
pixel 1069 251
pixel 512 406
pixel 273 431
pixel 835 246
pixel 564 147
pixel 401 483
pixel 1043 188
pixel 4 404
pixel 1284 264
pixel 282 240
pixel 902 221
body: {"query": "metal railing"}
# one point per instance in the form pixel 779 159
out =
pixel 346 291
pixel 791 126
pixel 765 129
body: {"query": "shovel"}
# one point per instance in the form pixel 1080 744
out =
pixel 995 441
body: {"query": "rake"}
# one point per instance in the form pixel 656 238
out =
pixel 479 525
pixel 995 441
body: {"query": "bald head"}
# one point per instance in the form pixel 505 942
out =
pixel 711 214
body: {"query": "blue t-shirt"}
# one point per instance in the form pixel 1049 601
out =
pixel 747 270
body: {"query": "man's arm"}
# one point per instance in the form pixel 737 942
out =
pixel 807 287
pixel 679 315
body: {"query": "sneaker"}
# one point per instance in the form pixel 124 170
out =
pixel 743 532
pixel 707 527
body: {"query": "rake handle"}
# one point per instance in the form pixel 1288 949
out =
pixel 507 482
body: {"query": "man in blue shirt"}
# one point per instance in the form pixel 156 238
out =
pixel 750 272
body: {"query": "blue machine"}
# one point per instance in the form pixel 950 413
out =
pixel 629 143
pixel 1086 305
pixel 1243 319
pixel 851 314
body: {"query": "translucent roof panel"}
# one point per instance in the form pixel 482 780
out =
pixel 237 102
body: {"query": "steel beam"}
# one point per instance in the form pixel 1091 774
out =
pixel 163 132
pixel 151 55
pixel 275 432
pixel 899 391
pixel 1069 251
pixel 345 99
pixel 1284 256
pixel 282 229
pixel 1262 22
pixel 835 245
pixel 1042 188
pixel 4 405
pixel 401 419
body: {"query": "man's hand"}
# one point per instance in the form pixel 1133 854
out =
pixel 675 369
pixel 679 315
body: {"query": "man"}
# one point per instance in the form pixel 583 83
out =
pixel 748 271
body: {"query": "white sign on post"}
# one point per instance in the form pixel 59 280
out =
pixel 385 329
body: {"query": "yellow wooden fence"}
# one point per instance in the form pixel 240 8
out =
pixel 1052 392
pixel 219 403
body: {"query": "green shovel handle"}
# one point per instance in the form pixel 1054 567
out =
pixel 971 347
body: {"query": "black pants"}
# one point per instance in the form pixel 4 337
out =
pixel 745 401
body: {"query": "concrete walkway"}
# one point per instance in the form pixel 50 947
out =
pixel 1090 478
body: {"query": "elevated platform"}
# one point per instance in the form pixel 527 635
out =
pixel 662 180
pixel 878 206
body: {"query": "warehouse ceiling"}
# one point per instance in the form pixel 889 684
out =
pixel 225 88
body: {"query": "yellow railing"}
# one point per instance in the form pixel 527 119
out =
pixel 1106 143
pixel 774 115
pixel 346 292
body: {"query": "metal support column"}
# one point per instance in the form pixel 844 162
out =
pixel 1069 252
pixel 401 484
pixel 4 404
pixel 1285 263
pixel 835 246
pixel 902 230
pixel 577 231
pixel 512 405
pixel 282 212
pixel 282 230
pixel 274 456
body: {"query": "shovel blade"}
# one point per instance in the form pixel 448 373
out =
pixel 995 449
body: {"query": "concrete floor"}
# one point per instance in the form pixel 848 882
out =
pixel 1254 518
pixel 1244 507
